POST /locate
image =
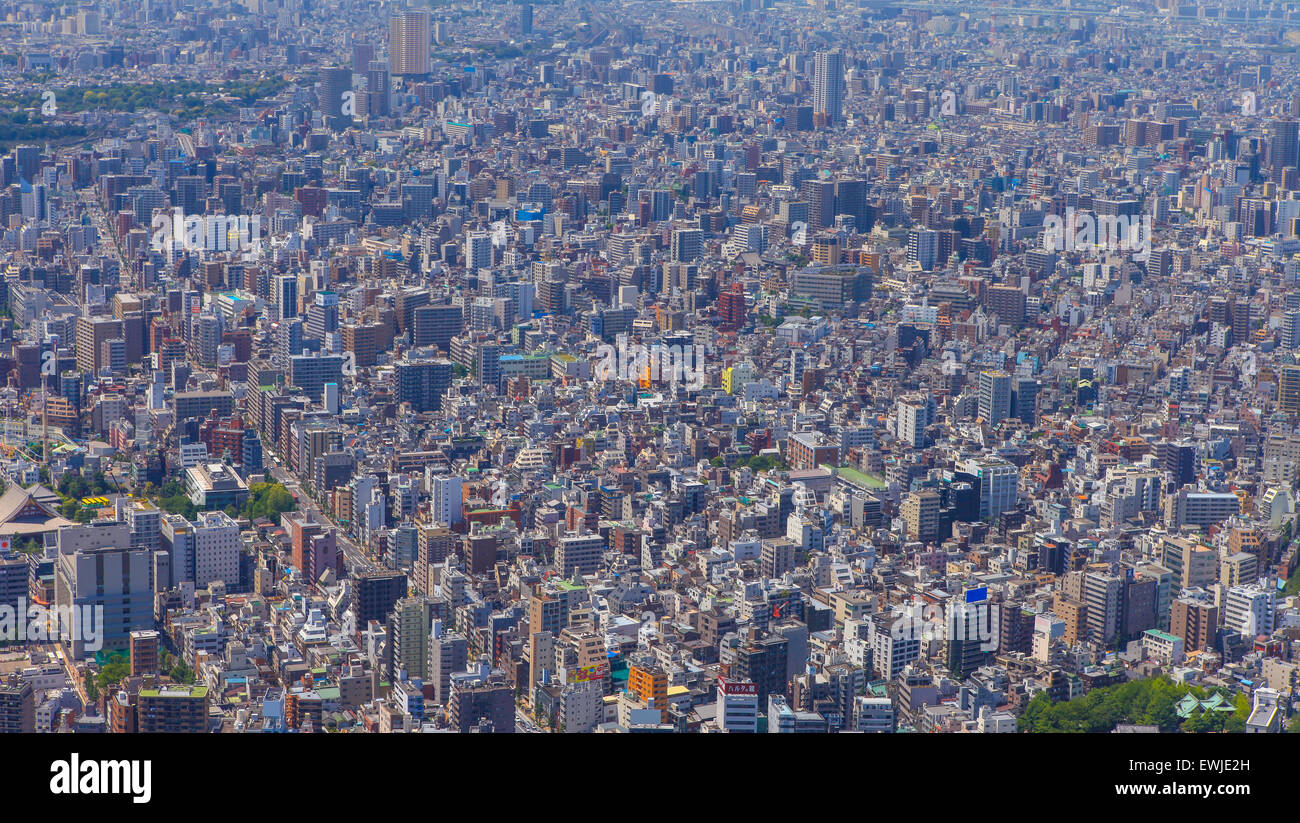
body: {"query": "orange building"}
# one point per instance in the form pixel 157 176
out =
pixel 650 684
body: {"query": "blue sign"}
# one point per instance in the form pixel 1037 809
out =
pixel 977 595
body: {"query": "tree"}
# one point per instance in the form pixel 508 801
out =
pixel 182 673
pixel 113 673
pixel 1292 584
pixel 1236 722
pixel 1146 702
pixel 268 500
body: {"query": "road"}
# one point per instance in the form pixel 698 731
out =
pixel 524 724
pixel 357 560
pixel 102 226
pixel 59 653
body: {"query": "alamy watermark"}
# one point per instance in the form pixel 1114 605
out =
pixel 36 623
pixel 656 363
pixel 653 104
pixel 206 232
pixel 133 778
pixel 1089 233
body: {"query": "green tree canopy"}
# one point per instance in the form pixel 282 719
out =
pixel 1150 702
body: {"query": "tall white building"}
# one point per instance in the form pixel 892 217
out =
pixel 582 707
pixel 999 485
pixel 828 85
pixel 911 417
pixel 216 549
pixel 448 500
pixel 408 42
pixel 1249 611
pixel 478 250
pixel 873 715
pixel 995 396
pixel 737 706
pixel 894 646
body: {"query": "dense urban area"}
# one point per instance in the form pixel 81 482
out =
pixel 649 366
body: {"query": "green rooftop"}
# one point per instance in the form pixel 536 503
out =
pixel 175 690
pixel 1165 636
pixel 857 478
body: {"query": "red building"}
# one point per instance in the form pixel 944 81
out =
pixel 731 307
pixel 224 435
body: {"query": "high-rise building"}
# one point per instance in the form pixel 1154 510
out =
pixel 408 43
pixel 1008 303
pixel 828 85
pixel 1283 147
pixel 17 706
pixel 920 511
pixel 763 661
pixel 379 89
pixel 994 396
pixel 216 549
pixel 173 708
pixel 581 553
pixel 820 195
pixel 376 593
pixel 92 334
pixel 1288 389
pixel 687 245
pixel 1024 399
pixel 1103 595
pixel 1196 622
pixel 145 646
pixel 911 417
pixel 923 248
pixel 448 653
pixel 737 706
pixel 408 633
pixel 1291 329
pixel 145 522
pixel 650 684
pixel 478 250
pixel 310 373
pixel 422 383
pixel 336 97
pixel 108 583
pixel 436 325
pixel 851 199
pixel 999 484
pixel 448 502
pixel 1249 611
pixel 965 650
pixel 285 297
pixel 482 699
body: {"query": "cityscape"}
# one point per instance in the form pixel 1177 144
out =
pixel 649 366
